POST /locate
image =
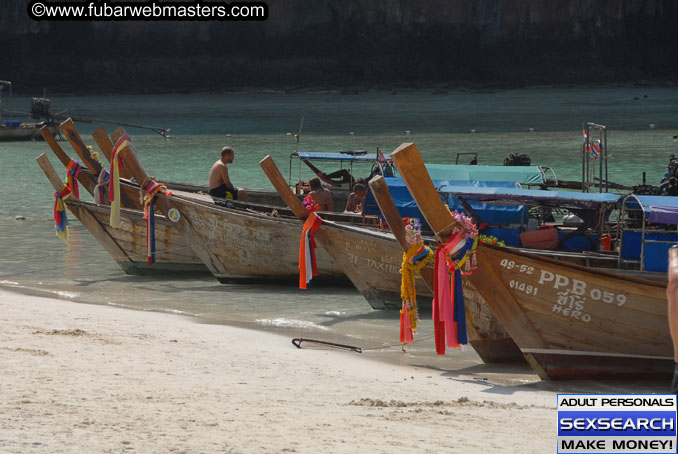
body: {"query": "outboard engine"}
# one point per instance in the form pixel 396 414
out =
pixel 40 108
pixel 518 159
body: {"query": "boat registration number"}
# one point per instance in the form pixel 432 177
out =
pixel 568 295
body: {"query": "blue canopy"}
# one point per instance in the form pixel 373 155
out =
pixel 507 174
pixel 407 207
pixel 657 208
pixel 346 155
pixel 498 203
pixel 447 175
pixel 555 199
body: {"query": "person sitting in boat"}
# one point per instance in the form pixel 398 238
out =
pixel 220 184
pixel 341 176
pixel 321 195
pixel 356 199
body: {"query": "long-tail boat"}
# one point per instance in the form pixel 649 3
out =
pixel 242 243
pixel 486 335
pixel 253 249
pixel 570 321
pixel 126 243
pixel 372 260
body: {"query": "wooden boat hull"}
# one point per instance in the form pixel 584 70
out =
pixel 256 196
pixel 127 244
pixel 30 132
pixel 249 245
pixel 572 321
pixel 372 261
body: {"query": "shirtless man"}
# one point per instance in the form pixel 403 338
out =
pixel 220 184
pixel 672 294
pixel 322 196
pixel 356 199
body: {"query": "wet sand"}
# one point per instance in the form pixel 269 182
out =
pixel 86 378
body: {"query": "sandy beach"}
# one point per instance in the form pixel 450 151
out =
pixel 87 378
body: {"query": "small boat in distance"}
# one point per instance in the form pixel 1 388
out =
pixel 15 130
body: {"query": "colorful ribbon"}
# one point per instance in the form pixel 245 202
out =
pixel 60 218
pixel 307 263
pixel 100 191
pixel 72 171
pixel 414 259
pixel 114 188
pixel 149 214
pixel 449 316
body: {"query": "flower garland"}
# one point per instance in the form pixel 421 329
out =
pixel 415 258
pixel 465 227
pixel 93 153
pixel 310 204
pixel 491 240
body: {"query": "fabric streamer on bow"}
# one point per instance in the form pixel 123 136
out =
pixel 100 191
pixel 149 214
pixel 307 264
pixel 449 316
pixel 72 171
pixel 114 187
pixel 60 219
pixel 415 258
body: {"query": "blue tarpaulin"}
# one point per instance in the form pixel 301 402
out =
pixel 497 203
pixel 658 209
pixel 346 156
pixel 556 199
pixel 652 247
pixel 407 207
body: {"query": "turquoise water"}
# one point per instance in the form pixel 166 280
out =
pixel 33 259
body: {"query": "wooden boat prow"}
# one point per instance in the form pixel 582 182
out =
pixel 369 258
pixel 486 335
pixel 127 244
pixel 372 260
pixel 577 322
pixel 570 321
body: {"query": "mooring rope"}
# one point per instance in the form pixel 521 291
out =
pixel 298 340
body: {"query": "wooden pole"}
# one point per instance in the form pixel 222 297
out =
pixel 85 178
pixel 104 142
pixel 51 174
pixel 81 212
pixel 133 166
pixel 106 146
pixel 388 209
pixel 118 134
pixel 395 222
pixel 278 181
pixel 411 167
pixel 68 128
pixel 165 203
pixel 54 145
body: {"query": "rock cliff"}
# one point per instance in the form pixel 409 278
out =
pixel 356 44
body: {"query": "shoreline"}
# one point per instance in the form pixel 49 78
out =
pixel 463 361
pixel 436 89
pixel 100 379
